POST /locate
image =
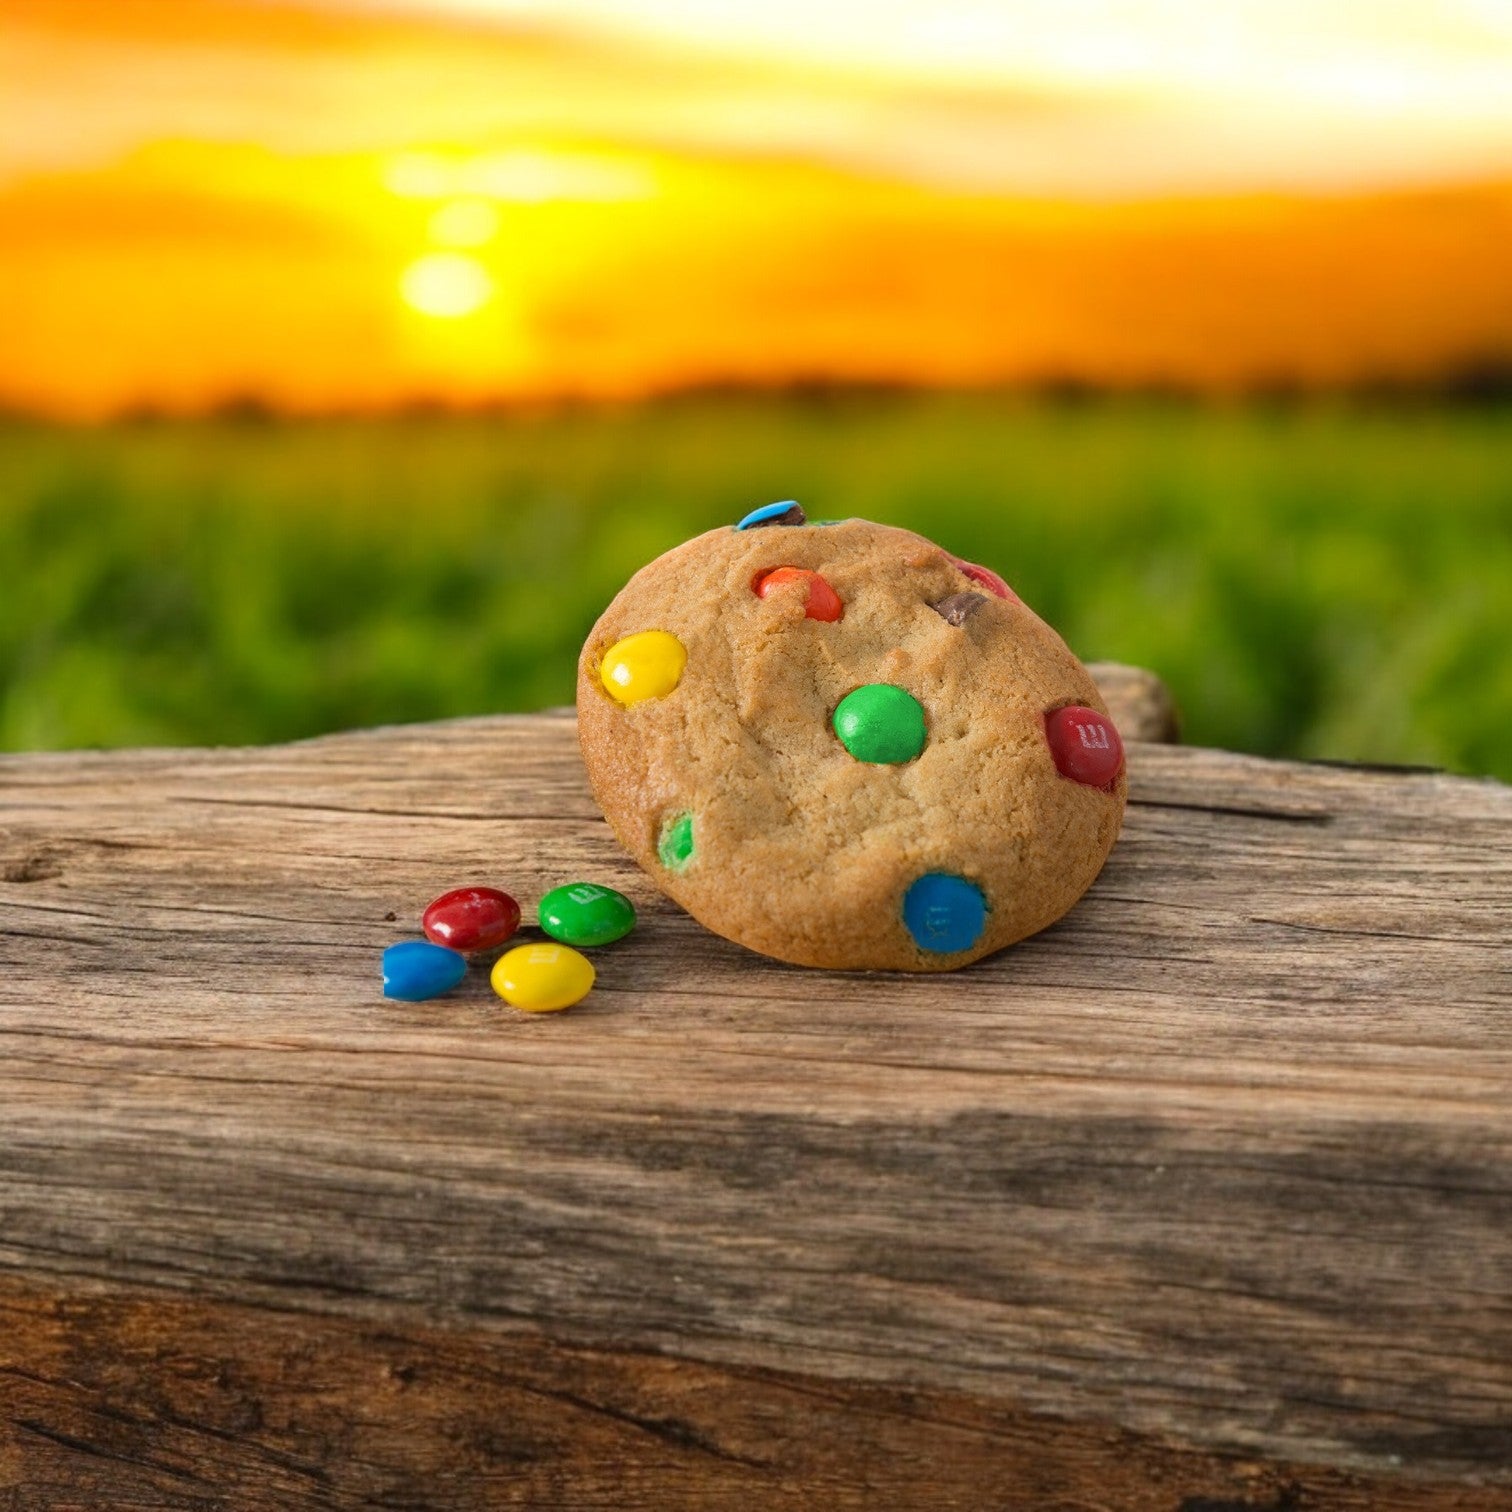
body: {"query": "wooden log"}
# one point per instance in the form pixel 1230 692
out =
pixel 1140 703
pixel 1200 1200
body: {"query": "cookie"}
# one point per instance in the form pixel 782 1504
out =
pixel 839 745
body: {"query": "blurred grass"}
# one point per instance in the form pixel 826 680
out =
pixel 1320 580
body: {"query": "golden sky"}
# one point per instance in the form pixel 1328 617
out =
pixel 354 203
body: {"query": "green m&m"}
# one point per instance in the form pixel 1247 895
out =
pixel 675 847
pixel 583 913
pixel 880 723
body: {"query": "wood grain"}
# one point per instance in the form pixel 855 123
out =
pixel 184 1406
pixel 1222 1163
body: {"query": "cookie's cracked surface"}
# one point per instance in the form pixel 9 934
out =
pixel 881 785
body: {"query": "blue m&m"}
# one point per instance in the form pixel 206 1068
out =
pixel 944 913
pixel 415 970
pixel 786 512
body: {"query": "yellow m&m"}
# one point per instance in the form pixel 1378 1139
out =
pixel 541 978
pixel 647 665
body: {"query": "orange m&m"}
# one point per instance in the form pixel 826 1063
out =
pixel 821 602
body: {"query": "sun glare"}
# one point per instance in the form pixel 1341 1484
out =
pixel 446 285
pixel 464 223
pixel 523 176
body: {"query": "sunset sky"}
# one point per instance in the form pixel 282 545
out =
pixel 338 203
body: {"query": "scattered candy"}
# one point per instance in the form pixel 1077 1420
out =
pixel 647 665
pixel 959 607
pixel 471 918
pixel 415 970
pixel 1085 745
pixel 788 512
pixel 944 913
pixel 542 978
pixel 675 848
pixel 820 601
pixel 881 724
pixel 987 578
pixel 583 913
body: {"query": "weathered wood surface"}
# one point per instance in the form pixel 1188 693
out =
pixel 133 1403
pixel 1200 1200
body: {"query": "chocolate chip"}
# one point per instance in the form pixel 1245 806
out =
pixel 959 607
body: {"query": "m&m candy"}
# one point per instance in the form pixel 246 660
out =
pixel 415 970
pixel 583 913
pixel 542 978
pixel 647 665
pixel 881 724
pixel 471 918
pixel 1084 745
pixel 959 607
pixel 944 913
pixel 674 847
pixel 987 578
pixel 820 601
pixel 787 512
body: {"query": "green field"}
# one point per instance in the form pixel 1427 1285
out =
pixel 1326 580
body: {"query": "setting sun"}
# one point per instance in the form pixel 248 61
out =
pixel 446 285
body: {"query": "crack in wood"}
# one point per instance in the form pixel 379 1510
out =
pixel 1236 811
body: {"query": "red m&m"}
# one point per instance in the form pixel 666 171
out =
pixel 471 918
pixel 987 578
pixel 1084 744
pixel 821 602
